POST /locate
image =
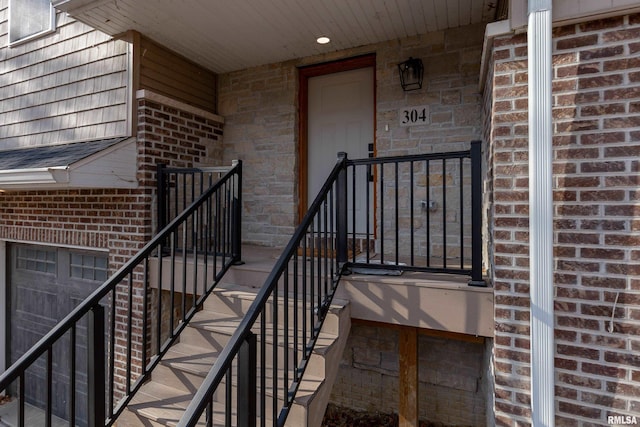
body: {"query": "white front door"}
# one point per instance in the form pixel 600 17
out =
pixel 340 118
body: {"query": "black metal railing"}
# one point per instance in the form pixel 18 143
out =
pixel 177 188
pixel 417 213
pixel 123 336
pixel 269 351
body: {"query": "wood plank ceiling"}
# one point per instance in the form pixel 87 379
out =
pixel 227 35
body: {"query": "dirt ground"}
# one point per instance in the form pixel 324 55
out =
pixel 337 416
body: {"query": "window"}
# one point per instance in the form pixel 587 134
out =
pixel 89 267
pixel 40 260
pixel 29 19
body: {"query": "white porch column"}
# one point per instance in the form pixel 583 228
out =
pixel 541 213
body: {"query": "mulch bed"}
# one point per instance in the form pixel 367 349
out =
pixel 337 416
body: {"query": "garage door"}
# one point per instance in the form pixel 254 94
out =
pixel 46 283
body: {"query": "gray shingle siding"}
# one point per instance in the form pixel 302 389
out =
pixel 70 85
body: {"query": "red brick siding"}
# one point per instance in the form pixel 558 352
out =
pixel 596 92
pixel 178 137
pixel 116 219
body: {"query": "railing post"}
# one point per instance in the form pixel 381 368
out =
pixel 236 242
pixel 341 213
pixel 95 367
pixel 476 215
pixel 162 196
pixel 247 369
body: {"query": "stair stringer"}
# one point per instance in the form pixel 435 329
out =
pixel 325 366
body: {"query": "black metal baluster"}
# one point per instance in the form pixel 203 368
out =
pixel 161 188
pixel 368 219
pixel 428 211
pixel 263 370
pixel 382 213
pixel 411 209
pixel 476 214
pixel 461 214
pixel 444 214
pixel 185 232
pixel 274 348
pixel 353 215
pixel 129 331
pixel 72 375
pixel 397 207
pixel 194 250
pixel 228 398
pixel 341 213
pixel 247 364
pixel 295 316
pixel 95 368
pixel 285 332
pixel 172 288
pixel 304 295
pixel 49 387
pixel 145 308
pixel 312 277
pixel 112 349
pixel 21 400
pixel 332 250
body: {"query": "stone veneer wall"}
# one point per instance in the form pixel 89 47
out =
pixel 452 385
pixel 260 110
pixel 596 113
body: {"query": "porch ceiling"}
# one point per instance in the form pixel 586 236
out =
pixel 227 35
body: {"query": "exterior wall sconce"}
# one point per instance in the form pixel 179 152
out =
pixel 411 74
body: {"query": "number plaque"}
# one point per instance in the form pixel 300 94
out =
pixel 410 116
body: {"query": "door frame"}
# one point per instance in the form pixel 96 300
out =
pixel 304 74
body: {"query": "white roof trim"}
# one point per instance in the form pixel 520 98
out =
pixel 153 96
pixel 113 167
pixel 26 176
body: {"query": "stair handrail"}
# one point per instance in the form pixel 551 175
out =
pixel 92 303
pixel 243 342
pixel 243 334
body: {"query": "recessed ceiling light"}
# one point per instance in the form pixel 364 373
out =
pixel 323 40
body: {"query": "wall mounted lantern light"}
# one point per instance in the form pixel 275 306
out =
pixel 411 73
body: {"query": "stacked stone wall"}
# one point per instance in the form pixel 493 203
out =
pixel 260 110
pixel 452 385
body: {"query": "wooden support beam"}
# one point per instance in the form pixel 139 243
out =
pixel 408 387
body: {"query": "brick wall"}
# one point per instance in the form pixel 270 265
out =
pixel 117 219
pixel 176 134
pixel 596 94
pixel 452 385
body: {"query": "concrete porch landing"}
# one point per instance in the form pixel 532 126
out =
pixel 442 302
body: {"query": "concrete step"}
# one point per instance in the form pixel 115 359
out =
pixel 212 331
pixel 156 405
pixel 163 399
pixel 235 300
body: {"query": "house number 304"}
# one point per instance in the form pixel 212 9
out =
pixel 414 116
